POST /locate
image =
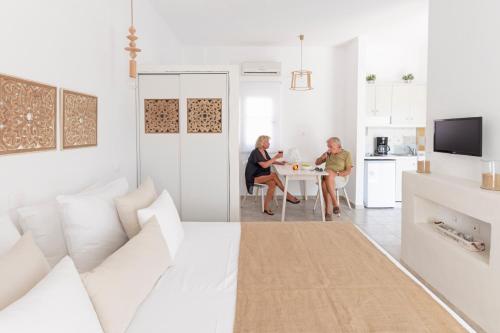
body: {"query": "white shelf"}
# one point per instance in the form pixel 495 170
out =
pixel 467 279
pixel 483 256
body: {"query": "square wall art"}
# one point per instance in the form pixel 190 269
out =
pixel 27 115
pixel 79 119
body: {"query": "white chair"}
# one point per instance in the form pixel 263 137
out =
pixel 338 187
pixel 260 190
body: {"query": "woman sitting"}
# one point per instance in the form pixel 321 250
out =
pixel 258 171
pixel 338 165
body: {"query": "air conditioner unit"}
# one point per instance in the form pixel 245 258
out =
pixel 269 68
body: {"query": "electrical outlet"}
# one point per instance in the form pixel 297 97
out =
pixel 475 228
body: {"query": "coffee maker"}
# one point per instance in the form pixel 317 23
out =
pixel 381 145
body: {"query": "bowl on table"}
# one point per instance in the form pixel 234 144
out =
pixel 307 166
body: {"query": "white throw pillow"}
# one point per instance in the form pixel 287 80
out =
pixel 91 225
pixel 8 234
pixel 168 218
pixel 45 225
pixel 57 304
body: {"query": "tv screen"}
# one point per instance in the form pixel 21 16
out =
pixel 463 136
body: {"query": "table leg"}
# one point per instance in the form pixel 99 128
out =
pixel 284 200
pixel 304 190
pixel 320 188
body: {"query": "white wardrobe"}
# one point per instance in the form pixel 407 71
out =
pixel 183 140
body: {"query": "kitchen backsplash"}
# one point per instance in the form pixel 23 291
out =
pixel 399 139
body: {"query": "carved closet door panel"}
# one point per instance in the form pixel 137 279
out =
pixel 159 140
pixel 204 147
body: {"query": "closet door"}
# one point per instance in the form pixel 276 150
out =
pixel 159 139
pixel 204 147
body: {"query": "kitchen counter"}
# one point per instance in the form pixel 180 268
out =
pixel 390 157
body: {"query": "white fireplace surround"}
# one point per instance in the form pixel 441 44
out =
pixel 470 281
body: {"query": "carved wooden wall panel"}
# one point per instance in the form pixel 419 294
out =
pixel 204 115
pixel 79 120
pixel 161 115
pixel 27 115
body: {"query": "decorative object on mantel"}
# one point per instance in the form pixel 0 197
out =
pixel 131 48
pixel 204 115
pixel 301 79
pixel 161 116
pixel 79 119
pixel 464 240
pixel 408 78
pixel 423 162
pixel 490 175
pixel 371 78
pixel 28 112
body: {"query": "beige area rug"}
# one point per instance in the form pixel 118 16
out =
pixel 326 277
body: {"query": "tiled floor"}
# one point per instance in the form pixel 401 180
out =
pixel 382 225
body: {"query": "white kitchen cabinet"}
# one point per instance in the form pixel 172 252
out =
pixel 409 105
pixel 378 104
pixel 396 105
pixel 403 164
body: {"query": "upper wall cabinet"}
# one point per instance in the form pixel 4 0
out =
pixel 396 105
pixel 378 104
pixel 409 105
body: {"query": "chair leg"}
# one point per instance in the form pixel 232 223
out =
pixel 262 199
pixel 347 199
pixel 316 202
pixel 275 201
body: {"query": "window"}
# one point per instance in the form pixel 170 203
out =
pixel 260 106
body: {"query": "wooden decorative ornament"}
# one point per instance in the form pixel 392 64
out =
pixel 79 119
pixel 132 48
pixel 27 115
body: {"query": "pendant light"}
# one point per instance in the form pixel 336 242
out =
pixel 131 48
pixel 301 79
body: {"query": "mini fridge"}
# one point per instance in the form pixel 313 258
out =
pixel 380 183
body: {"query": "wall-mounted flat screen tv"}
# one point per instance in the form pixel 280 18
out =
pixel 462 136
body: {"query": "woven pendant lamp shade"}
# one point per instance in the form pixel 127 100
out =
pixel 301 79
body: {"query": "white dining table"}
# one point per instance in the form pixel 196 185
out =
pixel 288 173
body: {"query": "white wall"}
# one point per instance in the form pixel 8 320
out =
pixel 349 95
pixel 307 118
pixel 464 68
pixel 398 48
pixel 78 45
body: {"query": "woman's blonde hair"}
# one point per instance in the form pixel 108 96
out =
pixel 260 141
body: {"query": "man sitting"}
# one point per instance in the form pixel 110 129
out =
pixel 338 165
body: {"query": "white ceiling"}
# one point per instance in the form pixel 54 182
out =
pixel 278 22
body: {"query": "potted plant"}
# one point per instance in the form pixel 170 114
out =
pixel 370 78
pixel 408 77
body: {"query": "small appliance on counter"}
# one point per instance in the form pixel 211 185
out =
pixel 382 145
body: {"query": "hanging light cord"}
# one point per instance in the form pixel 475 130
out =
pixel 301 41
pixel 132 11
